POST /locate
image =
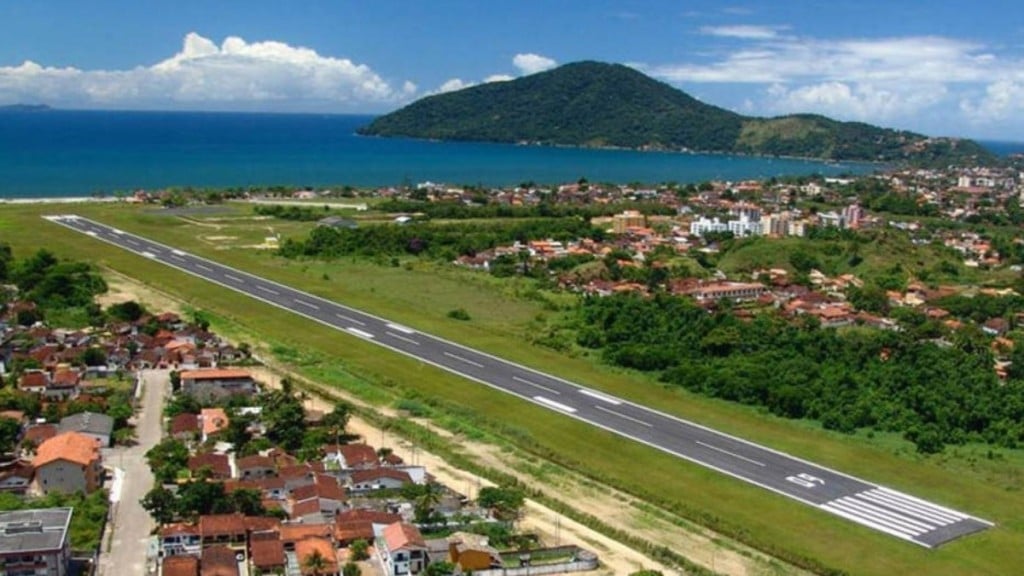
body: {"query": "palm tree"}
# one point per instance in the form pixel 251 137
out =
pixel 315 563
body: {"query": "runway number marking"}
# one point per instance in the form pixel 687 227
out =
pixel 806 480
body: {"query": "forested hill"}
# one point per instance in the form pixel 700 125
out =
pixel 598 104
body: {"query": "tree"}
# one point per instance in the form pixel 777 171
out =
pixel 359 549
pixel 93 356
pixel 199 498
pixel 167 458
pixel 350 569
pixel 247 501
pixel 442 568
pixel 315 563
pixel 161 504
pixel 9 431
pixel 129 311
pixel 505 502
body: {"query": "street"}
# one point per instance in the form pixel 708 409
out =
pixel 124 547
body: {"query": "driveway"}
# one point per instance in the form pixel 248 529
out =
pixel 124 548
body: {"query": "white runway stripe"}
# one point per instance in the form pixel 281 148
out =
pixel 895 516
pixel 931 506
pixel 911 509
pixel 866 522
pixel 875 518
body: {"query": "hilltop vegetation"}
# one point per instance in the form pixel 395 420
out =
pixel 597 104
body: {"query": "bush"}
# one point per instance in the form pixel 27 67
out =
pixel 459 314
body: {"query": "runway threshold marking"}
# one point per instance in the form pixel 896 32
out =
pixel 536 385
pixel 600 397
pixel 461 359
pixel 359 332
pixel 267 290
pixel 624 416
pixel 403 338
pixel 401 328
pixel 352 320
pixel 733 454
pixel 556 405
pixel 307 304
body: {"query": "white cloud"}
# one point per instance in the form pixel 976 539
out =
pixel 1001 100
pixel 498 78
pixel 742 31
pixel 532 63
pixel 861 101
pixel 452 85
pixel 237 73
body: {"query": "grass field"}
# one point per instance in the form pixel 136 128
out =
pixel 501 314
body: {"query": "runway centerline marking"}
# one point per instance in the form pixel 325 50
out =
pixel 535 385
pixel 352 320
pixel 401 328
pixel 733 454
pixel 178 258
pixel 307 304
pixel 267 290
pixel 233 278
pixel 624 416
pixel 461 359
pixel 204 267
pixel 402 338
pixel 600 397
pixel 556 405
pixel 359 332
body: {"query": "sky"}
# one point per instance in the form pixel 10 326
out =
pixel 941 67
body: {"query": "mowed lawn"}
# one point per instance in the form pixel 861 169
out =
pixel 420 297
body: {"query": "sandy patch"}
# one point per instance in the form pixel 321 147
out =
pixel 121 288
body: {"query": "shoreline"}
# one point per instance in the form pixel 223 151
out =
pixel 59 200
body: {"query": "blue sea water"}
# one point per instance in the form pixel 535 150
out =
pixel 63 153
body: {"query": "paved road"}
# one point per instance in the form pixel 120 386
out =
pixel 125 553
pixel 894 513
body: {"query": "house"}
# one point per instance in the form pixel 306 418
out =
pixel 402 550
pixel 378 479
pixel 219 561
pixel 180 566
pixel 15 476
pixel 219 465
pixel 472 553
pixel 213 420
pixel 995 326
pixel 222 529
pixel 98 426
pixel 63 385
pixel 184 427
pixel 180 539
pixel 35 541
pixel 362 524
pixel 35 381
pixel 68 463
pixel 36 435
pixel 267 553
pixel 256 467
pixel 216 383
pixel 347 456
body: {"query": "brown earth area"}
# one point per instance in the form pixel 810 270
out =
pixel 701 546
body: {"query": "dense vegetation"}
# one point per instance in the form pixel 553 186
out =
pixel 891 381
pixel 63 291
pixel 460 211
pixel 597 104
pixel 439 241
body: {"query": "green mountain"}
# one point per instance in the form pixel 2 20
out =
pixel 611 105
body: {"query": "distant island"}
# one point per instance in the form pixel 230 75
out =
pixel 25 108
pixel 595 104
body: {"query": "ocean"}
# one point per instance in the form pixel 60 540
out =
pixel 64 153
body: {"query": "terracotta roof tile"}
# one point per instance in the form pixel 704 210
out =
pixel 401 535
pixel 70 446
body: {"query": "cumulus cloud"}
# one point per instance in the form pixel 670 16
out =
pixel 1000 100
pixel 860 101
pixel 532 63
pixel 498 78
pixel 452 85
pixel 235 74
pixel 743 31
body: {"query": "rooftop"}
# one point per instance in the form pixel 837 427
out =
pixel 70 446
pixel 23 531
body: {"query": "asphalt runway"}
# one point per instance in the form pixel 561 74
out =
pixel 894 513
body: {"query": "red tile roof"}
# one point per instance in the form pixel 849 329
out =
pixel 213 525
pixel 267 554
pixel 401 535
pixel 183 565
pixel 309 546
pixel 184 424
pixel 219 561
pixel 218 464
pixel 214 374
pixel 71 446
pixel 37 434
